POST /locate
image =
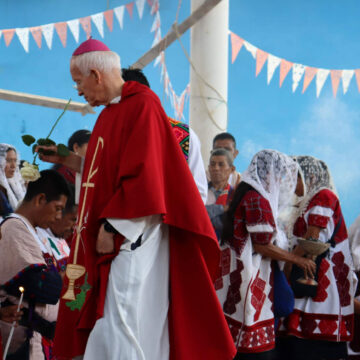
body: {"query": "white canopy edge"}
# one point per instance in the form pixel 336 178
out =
pixel 45 101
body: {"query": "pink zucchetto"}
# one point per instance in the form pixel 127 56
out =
pixel 90 45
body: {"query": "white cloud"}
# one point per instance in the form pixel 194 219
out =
pixel 248 149
pixel 330 131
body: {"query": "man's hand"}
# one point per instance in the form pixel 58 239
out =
pixel 10 314
pixel 307 265
pixel 72 161
pixel 105 241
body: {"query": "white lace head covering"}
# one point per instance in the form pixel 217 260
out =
pixel 274 175
pixel 316 177
pixel 14 186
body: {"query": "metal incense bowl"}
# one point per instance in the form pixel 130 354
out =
pixel 313 247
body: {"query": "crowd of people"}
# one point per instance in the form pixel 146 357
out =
pixel 170 260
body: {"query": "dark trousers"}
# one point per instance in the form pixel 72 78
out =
pixel 266 355
pixel 305 349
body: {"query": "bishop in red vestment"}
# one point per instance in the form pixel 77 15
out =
pixel 134 169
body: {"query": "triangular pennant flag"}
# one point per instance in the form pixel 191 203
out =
pixel 157 60
pixel 273 63
pixel 23 35
pixel 140 7
pixel 357 75
pixel 37 35
pixel 129 8
pixel 236 44
pixel 74 28
pixel 346 78
pixel 48 32
pixel 285 67
pixel 86 25
pixel 156 23
pixel 109 18
pixel 8 35
pixel 157 38
pixel 150 2
pixel 0 34
pixel 335 80
pixel 261 57
pixel 119 13
pixel 321 77
pixel 155 7
pixel 98 20
pixel 61 29
pixel 250 48
pixel 310 72
pixel 166 83
pixel 298 72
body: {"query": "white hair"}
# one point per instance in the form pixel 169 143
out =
pixel 104 61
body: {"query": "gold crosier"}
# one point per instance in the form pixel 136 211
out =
pixel 75 271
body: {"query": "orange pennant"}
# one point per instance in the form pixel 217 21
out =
pixel 310 72
pixel 335 80
pixel 37 35
pixel 86 24
pixel 357 75
pixel 8 35
pixel 61 29
pixel 129 8
pixel 285 67
pixel 236 44
pixel 109 17
pixel 261 57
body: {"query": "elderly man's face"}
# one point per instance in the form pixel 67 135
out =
pixel 219 169
pixel 89 86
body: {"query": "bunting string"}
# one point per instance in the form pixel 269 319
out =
pixel 61 28
pixel 177 101
pixel 299 71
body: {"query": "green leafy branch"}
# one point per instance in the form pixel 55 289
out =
pixel 62 149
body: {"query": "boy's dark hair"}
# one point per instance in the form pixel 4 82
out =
pixel 51 183
pixel 224 136
pixel 79 137
pixel 129 74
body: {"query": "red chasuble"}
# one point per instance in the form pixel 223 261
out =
pixel 134 168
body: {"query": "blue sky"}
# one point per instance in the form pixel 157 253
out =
pixel 320 34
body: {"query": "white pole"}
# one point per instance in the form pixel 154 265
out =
pixel 209 77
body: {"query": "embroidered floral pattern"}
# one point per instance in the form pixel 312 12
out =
pixel 341 271
pixel 258 296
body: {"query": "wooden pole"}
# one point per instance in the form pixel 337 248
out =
pixel 45 101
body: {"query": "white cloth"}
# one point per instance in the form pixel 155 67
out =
pixel 196 165
pixel 135 324
pixel 234 179
pixel 14 186
pixel 354 238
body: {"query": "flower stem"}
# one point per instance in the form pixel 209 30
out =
pixel 53 127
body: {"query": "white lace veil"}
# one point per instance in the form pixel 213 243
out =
pixel 14 186
pixel 316 177
pixel 274 175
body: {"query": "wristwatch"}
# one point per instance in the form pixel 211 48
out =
pixel 109 228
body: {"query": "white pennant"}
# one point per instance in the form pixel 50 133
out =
pixel 119 12
pixel 346 77
pixel 48 32
pixel 23 35
pixel 273 63
pixel 156 22
pixel 250 48
pixel 0 34
pixel 140 7
pixel 98 20
pixel 157 38
pixel 298 72
pixel 157 60
pixel 321 77
pixel 74 28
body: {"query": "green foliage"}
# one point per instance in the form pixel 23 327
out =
pixel 80 297
pixel 28 139
pixel 62 150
